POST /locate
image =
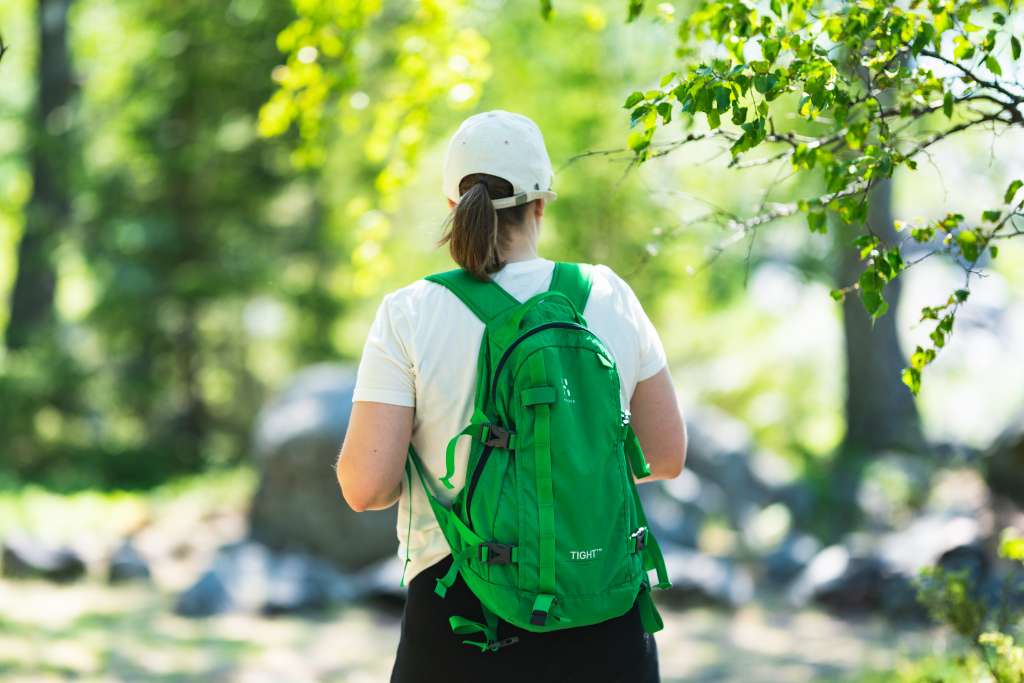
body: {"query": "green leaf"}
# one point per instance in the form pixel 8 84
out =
pixel 665 110
pixel 1012 546
pixel 635 7
pixel 866 244
pixel 912 378
pixel 1015 47
pixel 874 303
pixel 838 294
pixel 545 9
pixel 816 221
pixel 993 250
pixel 993 65
pixel 637 140
pixel 763 83
pixel 947 104
pixel 633 99
pixel 924 36
pixel 961 295
pixel 667 78
pixel 968 242
pixel 991 216
pixel 1011 190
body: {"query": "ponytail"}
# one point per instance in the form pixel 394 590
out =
pixel 477 233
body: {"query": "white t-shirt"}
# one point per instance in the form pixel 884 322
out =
pixel 422 351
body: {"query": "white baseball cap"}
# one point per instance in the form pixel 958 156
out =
pixel 503 144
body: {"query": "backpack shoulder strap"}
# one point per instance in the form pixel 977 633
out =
pixel 573 280
pixel 487 300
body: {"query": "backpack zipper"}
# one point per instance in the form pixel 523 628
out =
pixel 518 340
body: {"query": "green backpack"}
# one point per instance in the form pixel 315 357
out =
pixel 548 531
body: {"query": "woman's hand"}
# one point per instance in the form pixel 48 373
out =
pixel 658 423
pixel 372 459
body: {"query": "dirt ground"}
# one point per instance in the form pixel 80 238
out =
pixel 93 632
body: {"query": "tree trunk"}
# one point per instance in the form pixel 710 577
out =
pixel 880 410
pixel 49 208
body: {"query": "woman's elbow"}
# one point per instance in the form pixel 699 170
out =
pixel 675 462
pixel 356 497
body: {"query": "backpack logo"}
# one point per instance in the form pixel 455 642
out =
pixel 585 554
pixel 566 391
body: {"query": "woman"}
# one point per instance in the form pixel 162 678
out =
pixel 416 383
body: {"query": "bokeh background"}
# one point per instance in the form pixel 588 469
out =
pixel 190 256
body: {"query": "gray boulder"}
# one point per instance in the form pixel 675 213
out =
pixel 29 558
pixel 249 577
pixel 206 597
pixel 127 564
pixel 866 574
pixel 298 505
pixel 698 579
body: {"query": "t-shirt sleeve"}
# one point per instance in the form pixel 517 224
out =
pixel 650 351
pixel 386 371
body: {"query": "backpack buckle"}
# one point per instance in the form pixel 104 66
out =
pixel 495 436
pixel 640 536
pixel 497 553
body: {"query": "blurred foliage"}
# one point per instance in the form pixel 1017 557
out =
pixel 108 516
pixel 851 92
pixel 990 623
pixel 249 177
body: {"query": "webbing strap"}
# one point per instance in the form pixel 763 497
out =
pixel 544 483
pixel 408 531
pixel 446 581
pixel 464 626
pixel 453 528
pixel 635 454
pixel 541 608
pixel 472 429
pixel 573 280
pixel 487 300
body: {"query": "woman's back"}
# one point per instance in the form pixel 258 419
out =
pixel 422 351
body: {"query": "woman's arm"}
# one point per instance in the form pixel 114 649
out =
pixel 658 423
pixel 372 459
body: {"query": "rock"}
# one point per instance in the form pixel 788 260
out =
pixel 294 586
pixel 925 540
pixel 698 578
pixel 871 574
pixel 298 505
pixel 28 558
pixel 676 509
pixel 790 558
pixel 127 564
pixel 250 577
pixel 379 583
pixel 836 578
pixel 206 597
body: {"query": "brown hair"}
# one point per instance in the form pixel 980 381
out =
pixel 476 232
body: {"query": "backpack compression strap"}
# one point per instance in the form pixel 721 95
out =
pixel 573 280
pixel 487 300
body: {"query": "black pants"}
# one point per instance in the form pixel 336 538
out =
pixel 428 652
